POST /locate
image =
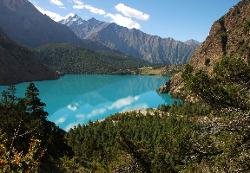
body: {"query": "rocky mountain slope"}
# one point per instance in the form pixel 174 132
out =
pixel 229 36
pixel 22 22
pixel 18 64
pixel 133 42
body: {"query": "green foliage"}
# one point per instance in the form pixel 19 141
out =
pixel 187 108
pixel 147 143
pixel 246 25
pixel 33 104
pixel 227 87
pixel 188 70
pixel 23 119
pixel 72 59
pixel 232 70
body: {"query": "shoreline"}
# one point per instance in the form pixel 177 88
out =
pixel 168 70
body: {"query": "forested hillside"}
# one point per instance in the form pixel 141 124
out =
pixel 67 58
pixel 20 64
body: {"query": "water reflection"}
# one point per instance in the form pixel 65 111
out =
pixel 75 99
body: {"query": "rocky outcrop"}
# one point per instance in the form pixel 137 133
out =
pixel 229 36
pixel 19 64
pixel 164 88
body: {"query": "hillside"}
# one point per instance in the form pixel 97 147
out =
pixel 133 42
pixel 228 37
pixel 19 64
pixel 22 22
pixel 67 58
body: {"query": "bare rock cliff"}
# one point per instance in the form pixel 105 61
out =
pixel 229 36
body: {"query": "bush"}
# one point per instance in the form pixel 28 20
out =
pixel 227 87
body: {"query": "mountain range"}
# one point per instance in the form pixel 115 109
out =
pixel 32 39
pixel 153 49
pixel 22 22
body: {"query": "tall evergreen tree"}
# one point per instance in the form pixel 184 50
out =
pixel 34 105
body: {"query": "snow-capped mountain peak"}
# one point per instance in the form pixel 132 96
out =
pixel 72 18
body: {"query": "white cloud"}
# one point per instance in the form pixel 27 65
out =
pixel 54 16
pixel 73 107
pixel 96 112
pixel 95 10
pixel 80 5
pixel 123 21
pixel 60 120
pixel 131 12
pixel 123 102
pixel 92 113
pixel 57 3
pixel 80 116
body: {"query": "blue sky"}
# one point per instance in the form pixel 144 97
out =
pixel 179 19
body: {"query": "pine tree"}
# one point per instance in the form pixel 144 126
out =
pixel 8 98
pixel 34 105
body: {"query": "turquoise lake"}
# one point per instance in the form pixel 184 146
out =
pixel 78 99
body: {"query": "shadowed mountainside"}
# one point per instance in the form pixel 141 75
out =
pixel 19 64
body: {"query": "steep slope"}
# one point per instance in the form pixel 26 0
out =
pixel 18 64
pixel 229 36
pixel 68 58
pixel 82 28
pixel 133 42
pixel 22 22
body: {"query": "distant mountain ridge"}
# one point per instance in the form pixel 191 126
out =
pixel 19 64
pixel 131 41
pixel 22 22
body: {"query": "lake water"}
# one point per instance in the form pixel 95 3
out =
pixel 77 99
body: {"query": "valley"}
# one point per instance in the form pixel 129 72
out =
pixel 86 88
